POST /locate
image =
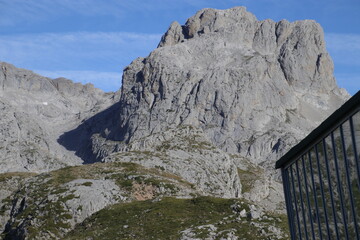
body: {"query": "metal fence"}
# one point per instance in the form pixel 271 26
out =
pixel 321 178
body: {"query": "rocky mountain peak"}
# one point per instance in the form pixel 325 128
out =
pixel 12 78
pixel 207 21
pixel 246 83
pixel 290 42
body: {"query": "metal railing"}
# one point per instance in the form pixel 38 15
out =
pixel 321 178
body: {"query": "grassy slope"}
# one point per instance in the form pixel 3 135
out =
pixel 166 219
pixel 51 213
pixel 152 219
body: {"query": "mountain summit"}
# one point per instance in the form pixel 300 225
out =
pixel 253 87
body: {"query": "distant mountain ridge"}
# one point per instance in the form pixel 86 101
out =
pixel 35 111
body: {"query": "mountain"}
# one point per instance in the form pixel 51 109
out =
pixel 251 88
pixel 248 84
pixel 193 134
pixel 35 111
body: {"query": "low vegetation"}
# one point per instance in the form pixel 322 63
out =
pixel 171 218
pixel 248 177
pixel 42 199
pixel 21 175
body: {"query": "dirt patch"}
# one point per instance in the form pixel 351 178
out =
pixel 142 192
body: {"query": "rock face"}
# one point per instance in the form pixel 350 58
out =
pixel 185 152
pixel 255 88
pixel 35 111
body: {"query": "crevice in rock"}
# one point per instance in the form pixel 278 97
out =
pixel 283 70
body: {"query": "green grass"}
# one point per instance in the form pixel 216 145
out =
pixel 159 220
pixel 151 219
pixel 52 216
pixel 166 219
pixel 87 184
pixel 6 176
pixel 248 177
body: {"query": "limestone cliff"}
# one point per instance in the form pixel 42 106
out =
pixel 35 111
pixel 254 87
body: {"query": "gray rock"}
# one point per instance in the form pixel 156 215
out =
pixel 185 152
pixel 49 205
pixel 172 36
pixel 35 112
pixel 9 184
pixel 243 213
pixel 64 206
pixel 254 87
pixel 91 196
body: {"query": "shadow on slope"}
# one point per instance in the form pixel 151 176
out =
pixel 79 139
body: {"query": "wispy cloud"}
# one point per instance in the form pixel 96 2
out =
pixel 344 48
pixel 20 11
pixel 345 52
pixel 77 48
pixel 17 11
pixel 77 51
pixel 341 42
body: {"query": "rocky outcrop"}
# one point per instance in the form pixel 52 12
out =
pixel 9 184
pixel 50 204
pixel 185 152
pixel 35 111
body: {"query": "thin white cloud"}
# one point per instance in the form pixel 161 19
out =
pixel 77 51
pixel 343 42
pixel 76 47
pixel 345 52
pixel 344 48
pixel 17 11
pixel 108 81
pixel 81 36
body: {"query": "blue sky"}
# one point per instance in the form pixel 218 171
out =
pixel 93 40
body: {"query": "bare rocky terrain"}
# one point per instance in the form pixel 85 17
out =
pixel 35 111
pixel 197 125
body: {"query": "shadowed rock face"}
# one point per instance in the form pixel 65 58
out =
pixel 251 86
pixel 35 111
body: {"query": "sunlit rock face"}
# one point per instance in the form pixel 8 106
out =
pixel 254 87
